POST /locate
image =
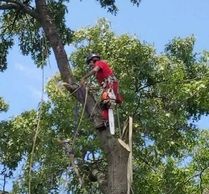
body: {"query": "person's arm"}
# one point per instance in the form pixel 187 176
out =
pixel 93 71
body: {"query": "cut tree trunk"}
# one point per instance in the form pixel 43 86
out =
pixel 117 156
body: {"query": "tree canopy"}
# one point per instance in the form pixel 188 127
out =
pixel 164 93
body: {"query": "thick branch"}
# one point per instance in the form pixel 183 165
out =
pixel 10 4
pixel 5 6
pixel 52 35
pixel 55 40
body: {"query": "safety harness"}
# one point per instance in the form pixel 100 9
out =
pixel 107 86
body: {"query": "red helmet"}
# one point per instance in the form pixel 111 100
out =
pixel 91 56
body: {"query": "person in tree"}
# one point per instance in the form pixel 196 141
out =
pixel 106 79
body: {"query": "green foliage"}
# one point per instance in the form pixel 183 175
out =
pixel 28 31
pixel 58 119
pixel 3 106
pixel 111 6
pixel 5 44
pixel 182 49
pixel 16 24
pixel 161 92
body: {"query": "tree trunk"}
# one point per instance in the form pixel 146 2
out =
pixel 117 156
pixel 52 35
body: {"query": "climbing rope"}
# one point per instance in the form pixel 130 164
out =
pixel 84 106
pixel 69 148
pixel 81 118
pixel 36 133
pixel 43 45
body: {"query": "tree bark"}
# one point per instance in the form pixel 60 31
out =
pixel 117 156
pixel 52 35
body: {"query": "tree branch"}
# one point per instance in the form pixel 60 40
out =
pixel 10 4
pixel 189 179
pixel 69 151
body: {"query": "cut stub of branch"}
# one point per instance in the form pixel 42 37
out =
pixel 98 176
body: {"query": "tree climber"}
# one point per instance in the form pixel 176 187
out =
pixel 106 79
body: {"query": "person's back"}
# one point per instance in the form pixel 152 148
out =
pixel 104 71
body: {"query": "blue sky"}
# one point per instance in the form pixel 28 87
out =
pixel 154 21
